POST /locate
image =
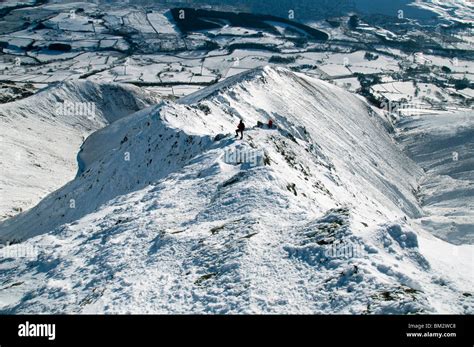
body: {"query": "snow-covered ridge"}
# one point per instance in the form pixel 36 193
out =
pixel 40 136
pixel 118 146
pixel 175 215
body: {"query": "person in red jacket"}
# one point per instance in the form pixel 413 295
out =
pixel 240 129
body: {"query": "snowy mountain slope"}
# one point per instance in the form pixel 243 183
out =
pixel 443 145
pixel 312 217
pixel 451 10
pixel 41 135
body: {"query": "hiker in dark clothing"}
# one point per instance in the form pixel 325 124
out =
pixel 240 129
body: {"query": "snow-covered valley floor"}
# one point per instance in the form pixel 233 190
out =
pixel 170 213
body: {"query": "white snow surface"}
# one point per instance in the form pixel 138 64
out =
pixel 443 145
pixel 40 136
pixel 172 214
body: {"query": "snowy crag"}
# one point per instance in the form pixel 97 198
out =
pixel 170 213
